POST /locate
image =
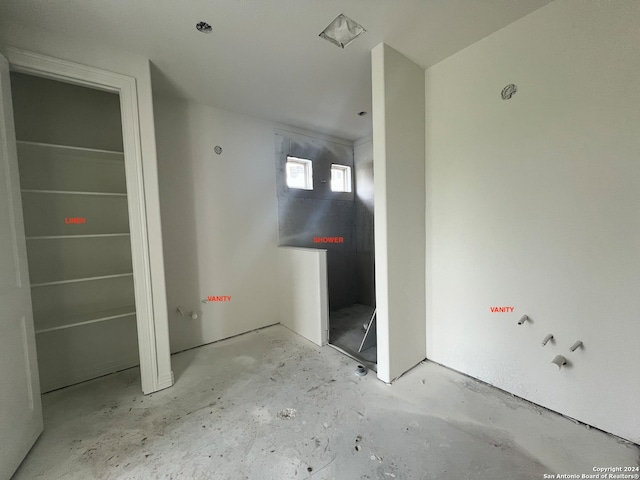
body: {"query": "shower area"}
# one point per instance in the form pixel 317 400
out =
pixel 325 201
pixel 352 326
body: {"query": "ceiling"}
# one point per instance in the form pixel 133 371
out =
pixel 264 57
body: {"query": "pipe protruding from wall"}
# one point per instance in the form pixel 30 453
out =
pixel 559 360
pixel 192 315
pixel 575 346
pixel 546 339
pixel 523 319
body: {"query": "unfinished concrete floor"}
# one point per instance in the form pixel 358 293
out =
pixel 346 330
pixel 270 405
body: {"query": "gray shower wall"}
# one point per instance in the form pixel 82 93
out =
pixel 305 214
pixel 364 202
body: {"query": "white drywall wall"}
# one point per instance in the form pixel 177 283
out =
pixel 533 203
pixel 220 220
pixel 101 56
pixel 399 182
pixel 304 297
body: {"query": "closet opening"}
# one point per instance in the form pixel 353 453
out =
pixel 76 218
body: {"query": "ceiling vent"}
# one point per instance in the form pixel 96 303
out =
pixel 342 31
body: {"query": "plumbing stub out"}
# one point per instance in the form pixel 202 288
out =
pixel 361 371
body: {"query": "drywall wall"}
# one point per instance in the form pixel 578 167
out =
pixel 303 292
pixel 220 221
pixel 101 56
pixel 65 114
pixel 533 204
pixel 306 214
pixel 399 183
pixel 365 249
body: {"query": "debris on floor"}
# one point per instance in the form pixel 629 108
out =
pixel 246 435
pixel 358 439
pixel 287 413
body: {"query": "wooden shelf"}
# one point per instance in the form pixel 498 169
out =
pixel 79 320
pixel 71 258
pixel 75 280
pixel 57 168
pixel 69 147
pixel 68 192
pixel 45 214
pixel 81 298
pixel 91 235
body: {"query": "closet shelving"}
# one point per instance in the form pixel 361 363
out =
pixel 81 273
pixel 61 323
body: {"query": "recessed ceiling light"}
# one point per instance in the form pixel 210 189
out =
pixel 204 27
pixel 342 31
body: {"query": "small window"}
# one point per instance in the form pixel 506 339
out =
pixel 299 173
pixel 340 178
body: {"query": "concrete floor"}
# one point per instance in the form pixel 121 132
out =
pixel 270 405
pixel 346 332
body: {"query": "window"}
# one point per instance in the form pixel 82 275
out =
pixel 299 173
pixel 340 178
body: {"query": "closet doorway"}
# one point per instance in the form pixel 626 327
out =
pixel 154 355
pixel 75 210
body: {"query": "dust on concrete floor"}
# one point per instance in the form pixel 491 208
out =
pixel 271 405
pixel 346 330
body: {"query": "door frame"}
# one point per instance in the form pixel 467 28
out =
pixel 125 86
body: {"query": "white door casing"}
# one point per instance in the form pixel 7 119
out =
pixel 153 348
pixel 20 404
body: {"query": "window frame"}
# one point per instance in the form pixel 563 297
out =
pixel 308 172
pixel 347 183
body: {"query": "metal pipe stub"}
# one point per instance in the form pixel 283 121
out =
pixel 361 371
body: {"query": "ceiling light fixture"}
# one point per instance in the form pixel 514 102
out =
pixel 204 27
pixel 342 31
